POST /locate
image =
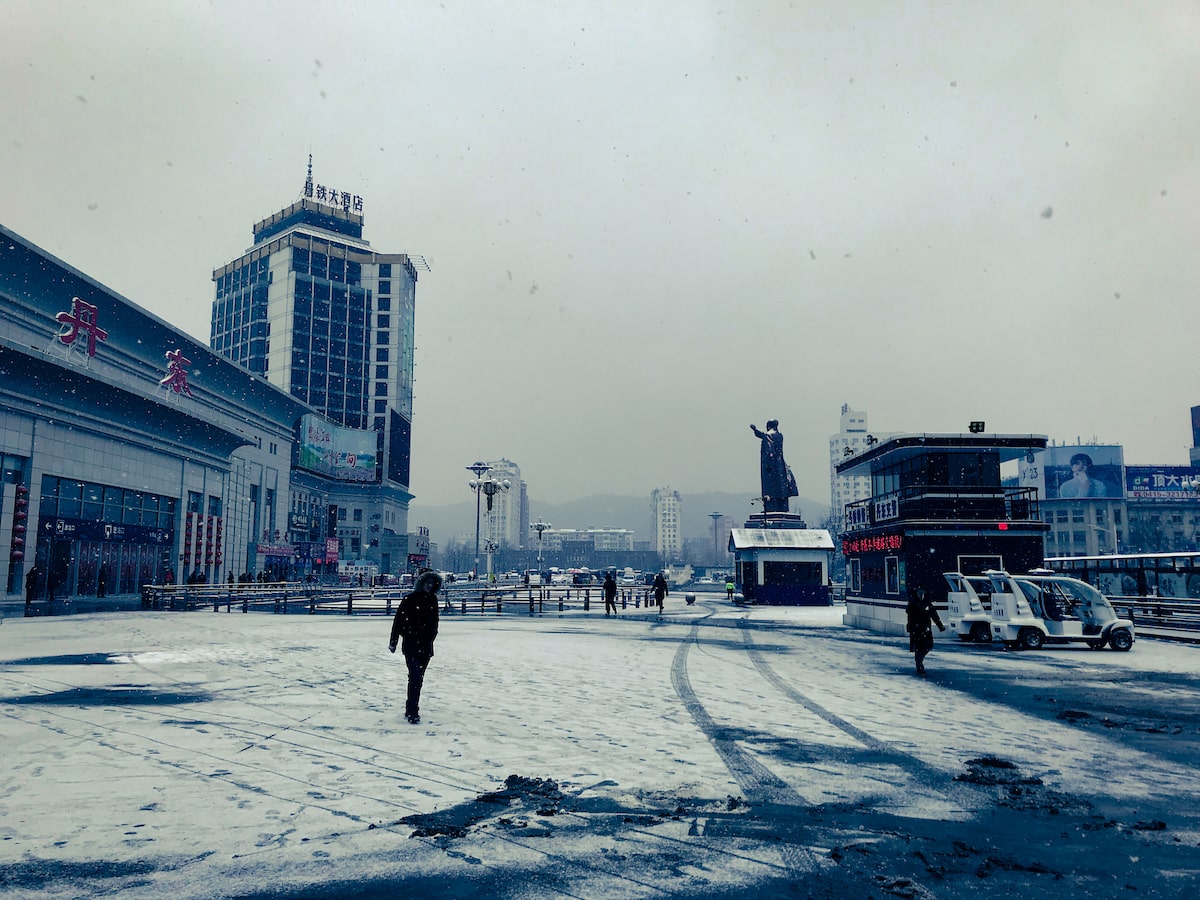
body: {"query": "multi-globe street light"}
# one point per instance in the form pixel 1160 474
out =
pixel 491 487
pixel 478 469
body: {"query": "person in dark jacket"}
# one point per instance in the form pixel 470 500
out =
pixel 921 618
pixel 610 593
pixel 660 591
pixel 31 583
pixel 415 627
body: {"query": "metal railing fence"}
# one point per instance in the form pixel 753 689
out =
pixel 460 599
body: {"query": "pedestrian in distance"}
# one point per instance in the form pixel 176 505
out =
pixel 921 619
pixel 31 580
pixel 660 591
pixel 415 627
pixel 729 589
pixel 610 593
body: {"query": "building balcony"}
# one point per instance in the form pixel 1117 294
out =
pixel 940 503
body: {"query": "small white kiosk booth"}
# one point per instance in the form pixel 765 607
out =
pixel 783 566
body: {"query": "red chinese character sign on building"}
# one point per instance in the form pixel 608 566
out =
pixel 874 544
pixel 176 378
pixel 82 320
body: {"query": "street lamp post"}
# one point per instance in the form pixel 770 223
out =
pixel 716 517
pixel 491 487
pixel 478 469
pixel 1106 531
pixel 539 526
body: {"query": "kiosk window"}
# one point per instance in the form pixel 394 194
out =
pixel 792 573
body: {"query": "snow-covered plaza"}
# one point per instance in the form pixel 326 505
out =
pixel 711 752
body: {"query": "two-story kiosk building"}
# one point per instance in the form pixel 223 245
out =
pixel 937 505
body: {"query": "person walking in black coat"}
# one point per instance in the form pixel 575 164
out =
pixel 415 627
pixel 660 591
pixel 610 593
pixel 31 580
pixel 921 618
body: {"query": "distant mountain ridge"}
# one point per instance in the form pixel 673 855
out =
pixel 609 511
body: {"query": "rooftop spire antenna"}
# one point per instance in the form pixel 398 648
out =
pixel 308 182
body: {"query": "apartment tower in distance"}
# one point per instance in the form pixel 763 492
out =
pixel 849 441
pixel 510 509
pixel 666 528
pixel 312 308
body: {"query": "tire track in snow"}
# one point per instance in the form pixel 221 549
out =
pixel 759 785
pixel 921 772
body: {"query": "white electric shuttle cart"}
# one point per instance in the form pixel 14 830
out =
pixel 1030 611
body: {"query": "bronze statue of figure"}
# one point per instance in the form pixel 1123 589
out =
pixel 777 481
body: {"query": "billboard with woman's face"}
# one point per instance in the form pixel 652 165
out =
pixel 1087 472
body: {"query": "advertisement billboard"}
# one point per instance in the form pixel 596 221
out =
pixel 1084 472
pixel 1161 483
pixel 346 454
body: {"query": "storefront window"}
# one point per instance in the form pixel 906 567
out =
pixel 93 501
pixel 133 509
pixel 70 498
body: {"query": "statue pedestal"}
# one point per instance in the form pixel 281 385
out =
pixel 775 520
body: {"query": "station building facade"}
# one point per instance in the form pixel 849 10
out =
pixel 133 454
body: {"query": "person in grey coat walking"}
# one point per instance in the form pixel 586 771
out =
pixel 415 627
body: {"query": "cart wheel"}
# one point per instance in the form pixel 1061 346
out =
pixel 1031 639
pixel 981 633
pixel 1121 639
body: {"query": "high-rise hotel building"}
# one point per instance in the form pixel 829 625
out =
pixel 312 308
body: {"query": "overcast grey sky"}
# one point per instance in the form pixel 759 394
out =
pixel 653 223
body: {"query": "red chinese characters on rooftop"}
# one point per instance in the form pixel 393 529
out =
pixel 176 378
pixel 81 321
